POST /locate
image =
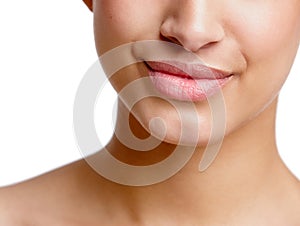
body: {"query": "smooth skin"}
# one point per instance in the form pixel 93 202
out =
pixel 247 184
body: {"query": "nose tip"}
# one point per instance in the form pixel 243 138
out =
pixel 192 27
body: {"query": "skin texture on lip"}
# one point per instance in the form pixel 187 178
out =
pixel 195 71
pixel 179 86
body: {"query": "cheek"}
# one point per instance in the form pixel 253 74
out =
pixel 267 30
pixel 268 36
pixel 107 24
pixel 268 39
pixel 117 22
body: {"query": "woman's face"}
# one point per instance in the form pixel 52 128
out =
pixel 254 42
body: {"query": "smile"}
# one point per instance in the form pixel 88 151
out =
pixel 186 82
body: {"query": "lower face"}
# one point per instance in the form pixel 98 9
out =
pixel 257 48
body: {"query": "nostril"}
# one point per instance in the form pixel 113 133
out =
pixel 209 44
pixel 166 35
pixel 174 40
pixel 163 38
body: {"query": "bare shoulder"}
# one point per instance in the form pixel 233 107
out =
pixel 7 209
pixel 58 195
pixel 290 205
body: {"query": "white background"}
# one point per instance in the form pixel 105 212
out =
pixel 45 49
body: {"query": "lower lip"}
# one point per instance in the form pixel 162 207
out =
pixel 186 89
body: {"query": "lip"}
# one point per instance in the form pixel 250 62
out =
pixel 186 82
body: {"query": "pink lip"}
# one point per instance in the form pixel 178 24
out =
pixel 186 82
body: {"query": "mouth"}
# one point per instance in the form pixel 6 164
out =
pixel 186 82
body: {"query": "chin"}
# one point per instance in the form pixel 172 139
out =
pixel 167 124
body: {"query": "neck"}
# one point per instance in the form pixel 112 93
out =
pixel 244 169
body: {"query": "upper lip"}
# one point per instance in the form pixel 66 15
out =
pixel 193 70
